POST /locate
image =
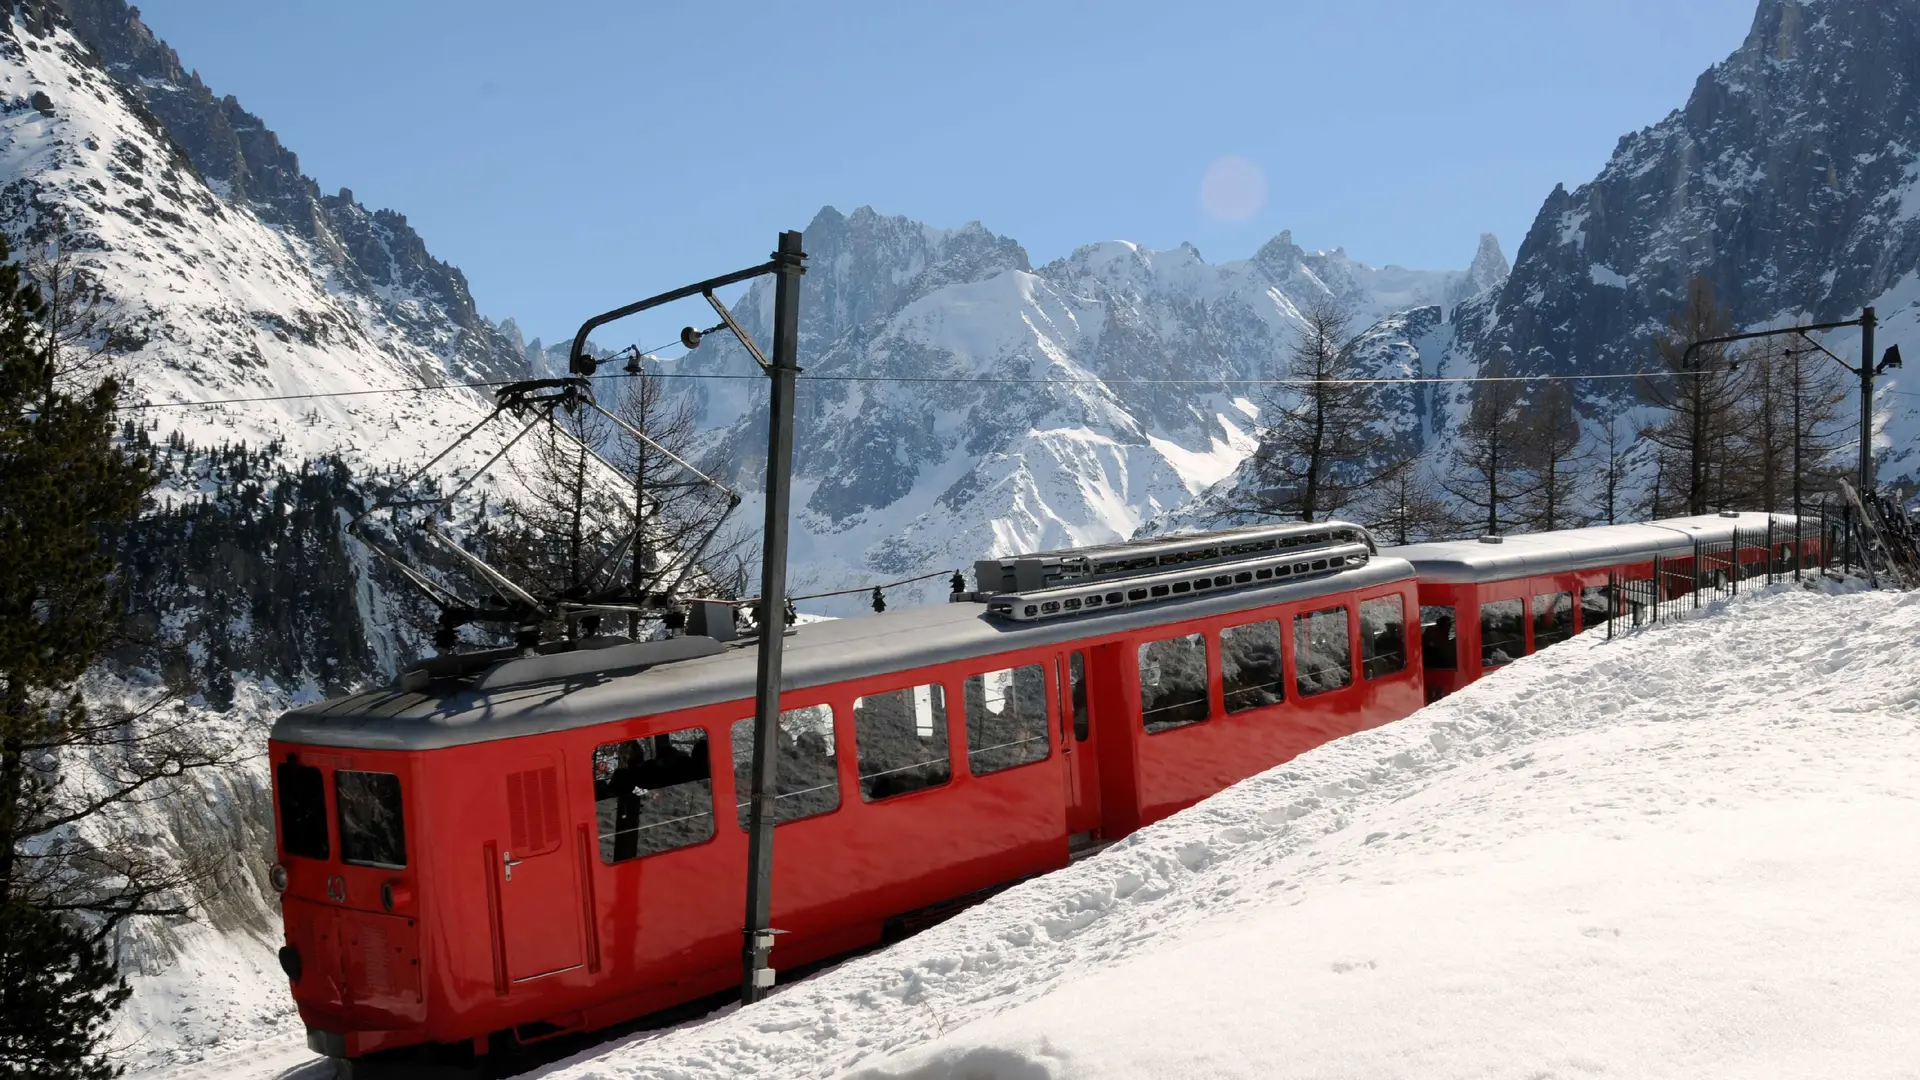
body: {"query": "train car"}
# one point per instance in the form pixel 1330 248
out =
pixel 1485 603
pixel 543 845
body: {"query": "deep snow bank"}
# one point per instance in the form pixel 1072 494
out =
pixel 1692 852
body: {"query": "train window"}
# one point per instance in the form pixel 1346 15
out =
pixel 653 794
pixel 902 740
pixel 806 777
pixel 1596 606
pixel 371 830
pixel 1503 636
pixel 1173 682
pixel 1250 673
pixel 1322 656
pixel 1077 691
pixel 303 810
pixel 1006 718
pixel 1552 619
pixel 1439 640
pixel 1383 636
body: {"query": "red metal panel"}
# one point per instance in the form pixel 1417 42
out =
pixel 382 965
pixel 539 893
pixel 581 942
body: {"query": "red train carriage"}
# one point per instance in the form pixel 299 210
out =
pixel 1486 603
pixel 546 845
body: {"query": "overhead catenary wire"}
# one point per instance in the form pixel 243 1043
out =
pixel 748 601
pixel 982 380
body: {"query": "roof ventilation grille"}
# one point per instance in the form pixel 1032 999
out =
pixel 1493 539
pixel 1287 554
pixel 1730 513
pixel 1052 569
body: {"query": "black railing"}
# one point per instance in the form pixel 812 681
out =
pixel 1820 543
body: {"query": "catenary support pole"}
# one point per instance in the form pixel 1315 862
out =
pixel 1867 323
pixel 789 264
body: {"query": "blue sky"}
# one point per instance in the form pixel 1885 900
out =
pixel 574 155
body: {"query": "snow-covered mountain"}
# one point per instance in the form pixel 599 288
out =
pixel 958 402
pixel 1790 179
pixel 231 285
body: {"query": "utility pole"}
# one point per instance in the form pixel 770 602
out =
pixel 789 262
pixel 1866 372
pixel 786 265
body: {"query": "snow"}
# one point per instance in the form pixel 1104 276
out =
pixel 1689 852
pixel 1606 275
pixel 228 307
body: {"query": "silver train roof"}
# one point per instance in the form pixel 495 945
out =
pixel 816 654
pixel 1462 562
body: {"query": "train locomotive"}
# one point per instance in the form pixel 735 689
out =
pixel 494 852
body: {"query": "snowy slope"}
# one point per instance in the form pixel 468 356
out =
pixel 1690 852
pixel 1041 407
pixel 223 305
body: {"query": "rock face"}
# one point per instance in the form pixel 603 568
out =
pixel 373 253
pixel 1790 179
pixel 959 402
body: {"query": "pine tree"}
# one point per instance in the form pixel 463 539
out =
pixel 63 482
pixel 58 990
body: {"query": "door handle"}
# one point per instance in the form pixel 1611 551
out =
pixel 509 862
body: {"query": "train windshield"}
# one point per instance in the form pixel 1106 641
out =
pixel 371 831
pixel 303 810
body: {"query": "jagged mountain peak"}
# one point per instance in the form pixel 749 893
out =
pixel 242 160
pixel 1789 179
pixel 1489 262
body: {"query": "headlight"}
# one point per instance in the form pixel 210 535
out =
pixel 278 877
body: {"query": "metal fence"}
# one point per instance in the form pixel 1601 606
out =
pixel 1819 543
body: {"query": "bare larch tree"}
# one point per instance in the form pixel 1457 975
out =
pixel 1698 394
pixel 1487 473
pixel 1315 457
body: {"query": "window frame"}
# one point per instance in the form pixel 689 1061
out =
pixel 1209 679
pixel 946 709
pixel 743 794
pixel 1049 704
pixel 1360 626
pixel 601 842
pixel 1348 620
pixel 1452 616
pixel 1282 672
pixel 1525 629
pixel 340 822
pixel 1557 591
pixel 324 812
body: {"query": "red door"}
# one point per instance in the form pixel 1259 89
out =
pixel 539 891
pixel 1078 748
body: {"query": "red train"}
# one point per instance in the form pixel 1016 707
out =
pixel 511 848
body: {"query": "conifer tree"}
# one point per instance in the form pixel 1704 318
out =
pixel 63 485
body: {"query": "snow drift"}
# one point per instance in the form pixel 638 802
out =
pixel 1692 851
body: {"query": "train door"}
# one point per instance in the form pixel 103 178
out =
pixel 539 890
pixel 1077 747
